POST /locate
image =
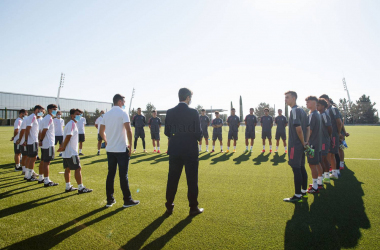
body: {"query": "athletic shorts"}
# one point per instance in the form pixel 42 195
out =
pixel 250 135
pixel 32 149
pixel 73 162
pixel 47 154
pixel 17 148
pixel 139 132
pixel 81 138
pixel 217 137
pixel 58 139
pixel 334 146
pixel 266 134
pixel 155 136
pixel 316 159
pixel 325 149
pixel 296 157
pixel 232 135
pixel 204 134
pixel 280 135
pixel 24 150
pixel 100 138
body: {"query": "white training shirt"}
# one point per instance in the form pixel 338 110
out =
pixel 39 120
pixel 81 124
pixel 98 122
pixel 58 126
pixel 17 125
pixel 116 134
pixel 33 133
pixel 49 139
pixel 23 126
pixel 71 147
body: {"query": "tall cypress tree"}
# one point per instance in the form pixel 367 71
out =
pixel 241 110
pixel 286 111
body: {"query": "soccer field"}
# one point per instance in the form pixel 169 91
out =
pixel 241 193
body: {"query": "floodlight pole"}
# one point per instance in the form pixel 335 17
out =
pixel 130 104
pixel 61 83
pixel 348 93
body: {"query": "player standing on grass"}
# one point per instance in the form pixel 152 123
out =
pixel 47 139
pixel 31 142
pixel 233 123
pixel 20 141
pixel 82 122
pixel 341 151
pixel 315 142
pixel 69 149
pixel 155 125
pixel 298 134
pixel 59 123
pixel 97 126
pixel 16 147
pixel 138 122
pixel 217 125
pixel 326 138
pixel 281 123
pixel 266 124
pixel 250 126
pixel 205 122
pixel 39 120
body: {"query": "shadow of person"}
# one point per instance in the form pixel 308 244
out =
pixel 277 159
pixel 11 178
pixel 6 166
pixel 261 158
pixel 138 241
pixel 335 219
pixel 147 159
pixel 14 183
pixel 161 159
pixel 160 242
pixel 10 192
pixel 53 237
pixel 222 157
pixel 205 156
pixel 243 157
pixel 297 231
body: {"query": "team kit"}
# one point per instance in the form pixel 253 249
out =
pixel 318 136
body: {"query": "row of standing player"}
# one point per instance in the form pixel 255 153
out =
pixel 35 131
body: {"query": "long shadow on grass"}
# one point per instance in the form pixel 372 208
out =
pixel 163 158
pixel 14 183
pixel 55 236
pixel 261 158
pixel 222 157
pixel 147 159
pixel 204 156
pixel 277 159
pixel 138 241
pixel 10 192
pixel 11 178
pixel 335 218
pixel 6 166
pixel 243 157
pixel 160 242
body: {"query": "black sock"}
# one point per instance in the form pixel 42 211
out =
pixel 135 143
pixel 337 159
pixel 143 140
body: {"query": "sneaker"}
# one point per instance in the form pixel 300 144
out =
pixel 35 175
pixel 334 177
pixel 110 203
pixel 263 151
pixel 234 151
pixel 40 182
pixel 340 168
pixel 212 151
pixel 206 150
pixel 313 191
pixel 18 168
pixel 286 151
pixel 154 151
pixel 304 195
pixel 23 173
pixel 246 151
pixel 276 151
pixel 70 189
pixel 158 152
pixel 293 199
pixel 98 153
pixel 326 180
pixel 251 151
pixel 131 203
pixel 60 154
pixel 319 186
pixel 38 158
pixel 221 151
pixel 330 170
pixel 134 151
pixel 84 190
pixel 81 154
pixel 227 151
pixel 50 184
pixel 145 151
pixel 270 151
pixel 31 179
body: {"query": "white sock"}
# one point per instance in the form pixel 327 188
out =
pixel 246 147
pixel 298 195
pixel 80 150
pixel 26 173
pixel 251 147
pixel 18 165
pixel 68 185
pixel 46 180
pixel 213 147
pixel 29 173
pixel 206 147
pixel 200 147
pixel 221 147
pixel 286 148
pixel 40 177
pixel 228 148
pixel 335 172
pixel 327 175
pixel 80 186
pixel 342 164
pixel 154 148
pixel 263 147
pixel 234 147
pixel 158 148
pixel 270 147
pixel 23 168
pixel 320 180
pixel 303 191
pixel 276 147
pixel 338 171
pixel 315 183
pixel 99 150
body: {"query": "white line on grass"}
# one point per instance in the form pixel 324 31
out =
pixel 363 159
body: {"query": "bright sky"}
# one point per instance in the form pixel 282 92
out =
pixel 220 49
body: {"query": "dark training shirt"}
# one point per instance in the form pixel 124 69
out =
pixel 154 124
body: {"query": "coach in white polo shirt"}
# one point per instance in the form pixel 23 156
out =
pixel 115 127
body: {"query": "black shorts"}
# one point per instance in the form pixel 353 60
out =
pixel 232 135
pixel 316 159
pixel 296 157
pixel 266 134
pixel 204 134
pixel 155 136
pixel 58 138
pixel 250 135
pixel 32 149
pixel 47 154
pixel 325 149
pixel 334 146
pixel 73 162
pixel 81 138
pixel 217 137
pixel 17 148
pixel 100 138
pixel 139 132
pixel 24 150
pixel 280 135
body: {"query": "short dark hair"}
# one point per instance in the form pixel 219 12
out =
pixel 251 108
pixel 331 101
pixel 22 111
pixel 279 110
pixel 233 109
pixel 311 98
pixel 266 109
pixel 203 110
pixel 37 107
pixel 153 111
pixel 323 102
pixel 52 106
pixel 183 93
pixel 72 111
pixel 117 98
pixel 80 111
pixel 292 93
pixel 138 108
pixel 102 111
pixel 324 96
pixel 217 112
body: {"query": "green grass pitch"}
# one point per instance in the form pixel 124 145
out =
pixel 241 193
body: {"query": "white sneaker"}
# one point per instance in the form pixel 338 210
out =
pixel 334 177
